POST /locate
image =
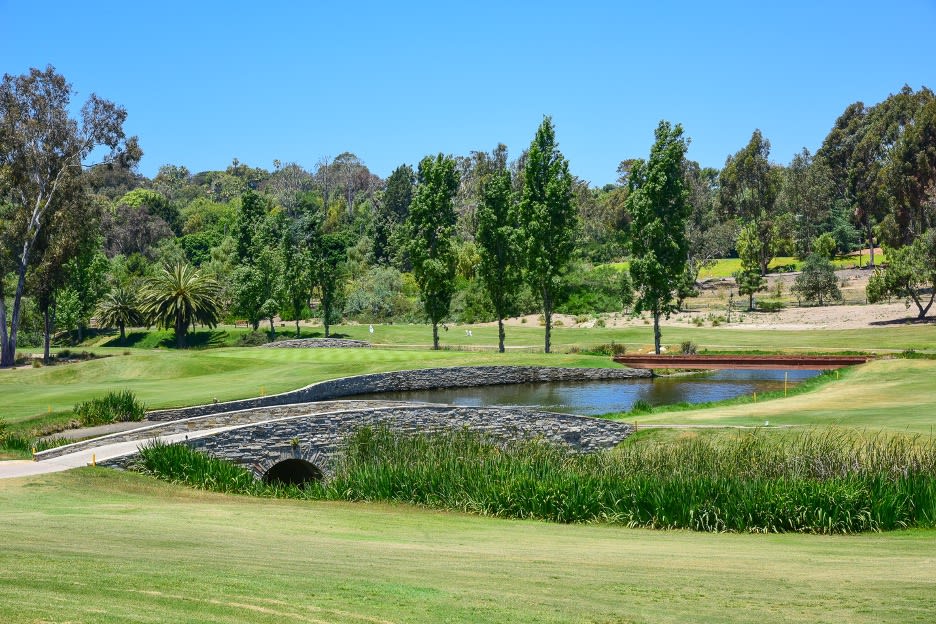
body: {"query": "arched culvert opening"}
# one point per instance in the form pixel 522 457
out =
pixel 297 472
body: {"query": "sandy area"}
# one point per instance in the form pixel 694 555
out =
pixel 712 305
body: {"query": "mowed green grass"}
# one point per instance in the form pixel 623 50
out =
pixel 889 395
pixel 727 267
pixel 100 546
pixel 169 378
pixel 884 338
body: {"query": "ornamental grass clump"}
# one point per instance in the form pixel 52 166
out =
pixel 113 407
pixel 831 482
pixel 816 482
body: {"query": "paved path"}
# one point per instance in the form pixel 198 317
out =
pixel 78 459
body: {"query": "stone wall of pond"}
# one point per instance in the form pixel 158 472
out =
pixel 401 381
pixel 317 343
pixel 317 437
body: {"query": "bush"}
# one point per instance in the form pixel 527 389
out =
pixel 687 347
pixel 766 305
pixel 112 407
pixel 253 339
pixel 640 407
pixel 612 348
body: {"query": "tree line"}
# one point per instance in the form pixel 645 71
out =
pixel 476 237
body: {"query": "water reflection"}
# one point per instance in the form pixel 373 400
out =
pixel 601 397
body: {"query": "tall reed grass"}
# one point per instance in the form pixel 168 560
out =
pixel 817 482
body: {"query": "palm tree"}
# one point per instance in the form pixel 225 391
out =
pixel 179 295
pixel 121 308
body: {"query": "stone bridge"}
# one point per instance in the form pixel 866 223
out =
pixel 296 442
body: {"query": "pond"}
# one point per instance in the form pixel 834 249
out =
pixel 601 397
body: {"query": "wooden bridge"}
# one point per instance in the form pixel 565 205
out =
pixel 777 362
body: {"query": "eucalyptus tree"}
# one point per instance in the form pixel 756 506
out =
pixel 880 167
pixel 658 203
pixel 42 150
pixel 498 240
pixel 748 188
pixel 910 274
pixel 431 223
pixel 548 219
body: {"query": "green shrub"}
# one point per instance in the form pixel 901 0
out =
pixel 119 406
pixel 253 339
pixel 640 407
pixel 608 348
pixel 766 305
pixel 687 347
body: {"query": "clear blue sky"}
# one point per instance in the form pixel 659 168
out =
pixel 393 81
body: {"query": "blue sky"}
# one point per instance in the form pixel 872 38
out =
pixel 204 82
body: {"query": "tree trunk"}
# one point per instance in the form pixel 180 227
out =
pixel 123 334
pixel 180 333
pixel 547 314
pixel 8 349
pixel 750 303
pixel 297 327
pixel 80 332
pixel 255 324
pixel 435 336
pixel 3 331
pixel 656 332
pixel 272 329
pixel 47 335
pixel 500 335
pixel 870 235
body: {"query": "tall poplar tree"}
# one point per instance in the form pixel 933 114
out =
pixel 431 247
pixel 548 219
pixel 658 203
pixel 497 238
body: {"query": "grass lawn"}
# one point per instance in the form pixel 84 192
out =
pixel 100 546
pixel 889 395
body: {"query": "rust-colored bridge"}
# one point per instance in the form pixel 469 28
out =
pixel 782 362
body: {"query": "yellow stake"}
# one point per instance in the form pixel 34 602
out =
pixel 755 397
pixel 93 459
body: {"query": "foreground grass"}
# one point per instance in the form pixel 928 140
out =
pixel 99 546
pixel 817 482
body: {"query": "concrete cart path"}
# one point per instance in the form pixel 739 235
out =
pixel 78 459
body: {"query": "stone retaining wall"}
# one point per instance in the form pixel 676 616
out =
pixel 317 343
pixel 400 381
pixel 318 437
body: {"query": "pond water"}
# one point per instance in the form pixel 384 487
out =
pixel 600 397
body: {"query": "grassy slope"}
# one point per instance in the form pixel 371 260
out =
pixel 894 395
pixel 173 378
pixel 95 545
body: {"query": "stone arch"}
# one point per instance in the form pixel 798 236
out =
pixel 293 471
pixel 293 467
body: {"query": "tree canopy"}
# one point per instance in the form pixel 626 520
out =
pixel 658 203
